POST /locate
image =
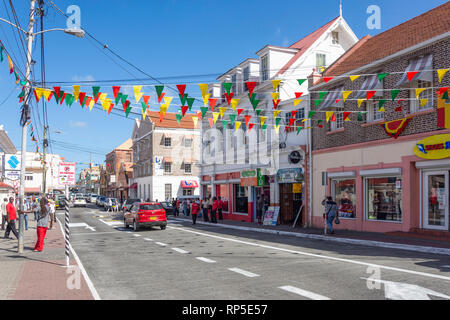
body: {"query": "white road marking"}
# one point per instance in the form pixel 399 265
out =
pixel 148 239
pixel 91 234
pixel 161 244
pixel 424 274
pixel 180 250
pixel 205 260
pixel 304 293
pixel 81 225
pixel 136 235
pixel 244 272
pixel 111 223
pixel 80 265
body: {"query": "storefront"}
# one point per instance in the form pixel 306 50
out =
pixel 291 190
pixel 188 187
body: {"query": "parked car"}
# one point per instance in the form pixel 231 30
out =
pixel 126 205
pixel 167 207
pixel 145 214
pixel 101 201
pixel 93 198
pixel 79 201
pixel 60 201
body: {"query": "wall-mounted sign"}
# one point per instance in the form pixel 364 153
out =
pixel 252 178
pixel 296 188
pixel 294 175
pixel 12 162
pixel 434 147
pixel 295 157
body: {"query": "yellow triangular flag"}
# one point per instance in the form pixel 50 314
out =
pixel 441 74
pixel 345 94
pixel 47 94
pixel 107 104
pixel 237 125
pixel 203 88
pixel 163 108
pixel 381 109
pixel 216 116
pixel 353 78
pixel 277 129
pixel 91 104
pixel 297 101
pixel 275 95
pixel 275 84
pixel 329 114
pixel 104 104
pixel 102 97
pixel 423 102
pixel 304 120
pixel 137 93
pixel 76 92
pixel 39 92
pixel 263 120
pixel 195 119
pixel 275 113
pixel 308 128
pixel 222 111
pixel 10 64
pixel 234 103
pixel 206 99
pixel 360 101
pixel 168 101
pixel 143 115
pixel 419 91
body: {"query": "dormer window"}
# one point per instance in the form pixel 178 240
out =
pixel 335 37
pixel 321 60
pixel 265 68
pixel 234 84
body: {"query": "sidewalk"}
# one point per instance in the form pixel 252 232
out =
pixel 404 242
pixel 38 275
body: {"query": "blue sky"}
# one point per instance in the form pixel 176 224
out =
pixel 164 38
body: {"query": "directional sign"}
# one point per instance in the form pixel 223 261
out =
pixel 67 173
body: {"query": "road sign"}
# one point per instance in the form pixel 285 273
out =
pixel 67 173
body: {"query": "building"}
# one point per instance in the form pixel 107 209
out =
pixel 89 180
pixel 241 165
pixel 118 169
pixel 388 168
pixel 166 157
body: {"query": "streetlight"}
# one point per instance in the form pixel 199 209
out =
pixel 30 36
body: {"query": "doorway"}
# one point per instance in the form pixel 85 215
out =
pixel 290 204
pixel 436 200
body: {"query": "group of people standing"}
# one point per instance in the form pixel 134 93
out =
pixel 44 215
pixel 208 207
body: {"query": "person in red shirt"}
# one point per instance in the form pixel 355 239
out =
pixel 220 208
pixel 215 206
pixel 195 211
pixel 11 218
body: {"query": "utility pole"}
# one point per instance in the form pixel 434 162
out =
pixel 30 37
pixel 44 166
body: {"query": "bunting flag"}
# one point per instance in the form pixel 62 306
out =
pixel 38 92
pixel 206 99
pixel 195 120
pixel 353 78
pixel 127 112
pixel 276 113
pixel 203 88
pixel 394 94
pixel 116 90
pixel 370 94
pixel 252 97
pixel 118 98
pixel 275 84
pixel 346 94
pixel 360 117
pixel 264 127
pixel 181 89
pixel 251 86
pixel 326 79
pixel 212 103
pixel 234 103
pixel 360 101
pixel 276 103
pixel 255 103
pixel 238 125
pixel 275 96
pixel 262 120
pixel 125 106
pixel 82 97
pixel 240 111
pixel 10 64
pixel 1 53
pixel 89 103
pixel 293 113
pixel 183 99
pixel 211 122
pixel 300 81
pixel 190 102
pixel 76 92
pixel 159 92
pixel 232 118
pixel 179 117
pixel 395 128
pixel 215 116
pixel 277 129
pixel 225 124
pixel 299 129
pixel 443 111
pixel 346 116
pixel 111 106
pixel 222 111
pixel 317 102
pixel 297 102
pixel 106 104
pixel 250 126
pixel 381 76
pixel 204 110
pixel 411 75
pixel 423 102
pixel 258 112
pixel 227 86
pixel 146 99
pixel 229 97
pixel 168 101
pixel 329 114
pixel 144 107
pixel 333 118
pixel 311 114
pixel 441 73
pixel 323 94
pixel 137 93
pixel 247 119
pixel 70 99
pixel 161 116
pixel 381 102
pixel 419 91
pixel 63 97
pixel 57 91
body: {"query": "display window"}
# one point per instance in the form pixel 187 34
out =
pixel 384 198
pixel 241 199
pixel 222 191
pixel 343 191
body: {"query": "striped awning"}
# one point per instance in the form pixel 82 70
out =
pixel 419 64
pixel 330 99
pixel 370 83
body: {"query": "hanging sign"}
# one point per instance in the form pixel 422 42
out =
pixel 252 178
pixel 434 147
pixel 294 175
pixel 67 174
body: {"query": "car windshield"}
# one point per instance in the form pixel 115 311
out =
pixel 150 207
pixel 79 198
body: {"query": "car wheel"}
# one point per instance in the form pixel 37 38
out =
pixel 163 227
pixel 135 226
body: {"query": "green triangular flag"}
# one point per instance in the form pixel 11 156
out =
pixel 381 103
pixel 252 97
pixel 322 94
pixel 255 103
pixel 84 101
pixel 95 91
pixel 190 102
pixel 258 111
pixel 381 76
pixel 128 111
pixel 319 121
pixel 119 96
pixel 69 99
pixel 227 86
pixel 394 94
pixel 56 96
pixel 23 82
pixel 360 117
pixel 317 102
pixel 225 123
pixel 300 81
pixel 183 99
pixel 445 95
pixel 22 94
pixel 264 127
pixel 232 118
pixel 144 107
pixel 123 98
pixel 159 89
pixel 16 75
pixel 311 114
pixel 277 121
pixel 204 110
pixel 299 129
pixel 179 117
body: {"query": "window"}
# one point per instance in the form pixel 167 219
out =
pixel 425 98
pixel 343 192
pixel 187 168
pixel 384 198
pixel 167 191
pixel 335 37
pixel 265 68
pixel 167 167
pixel 241 197
pixel 222 191
pixel 320 61
pixel 339 123
pixel 372 111
pixel 29 178
pixel 167 142
pixel 300 115
pixel 188 143
pixel 234 84
pixel 187 192
pixel 245 78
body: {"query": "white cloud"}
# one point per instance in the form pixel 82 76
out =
pixel 83 78
pixel 77 124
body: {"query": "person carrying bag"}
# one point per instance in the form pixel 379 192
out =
pixel 331 214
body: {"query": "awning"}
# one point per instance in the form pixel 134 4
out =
pixel 167 135
pixel 32 190
pixel 330 99
pixel 189 184
pixel 371 83
pixel 419 64
pixel 168 159
pixel 188 160
pixel 133 186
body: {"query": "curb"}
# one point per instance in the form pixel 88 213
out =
pixel 371 243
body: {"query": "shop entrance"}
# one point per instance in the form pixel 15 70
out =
pixel 436 200
pixel 290 203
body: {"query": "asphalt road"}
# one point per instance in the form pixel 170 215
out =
pixel 210 262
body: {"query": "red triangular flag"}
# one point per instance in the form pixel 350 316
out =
pixel 250 126
pixel 442 90
pixel 346 115
pixel 229 97
pixel 110 108
pixel 50 96
pixel 63 97
pixel 161 116
pixel 21 99
pixel 81 97
pixel 326 79
pixel 125 105
pixel 211 122
pixel 212 103
pixel 370 94
pixel 88 101
pixel 251 86
pixel 276 103
pixel 146 99
pixel 398 109
pixel 337 100
pixel 57 91
pixel 291 121
pixel 181 89
pixel 411 75
pixel 116 90
pixel 240 111
pixel 35 95
pixel 293 113
pixel 298 94
pixel 400 101
pixel 97 97
pixel 184 109
pixel 162 96
pixel 199 115
pixel 333 118
pixel 247 119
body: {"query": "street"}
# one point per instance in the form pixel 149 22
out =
pixel 210 262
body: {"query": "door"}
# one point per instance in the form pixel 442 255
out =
pixel 436 200
pixel 286 204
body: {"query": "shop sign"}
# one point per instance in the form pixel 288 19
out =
pixel 252 178
pixel 66 173
pixel 271 216
pixel 295 157
pixel 294 175
pixel 434 147
pixel 297 188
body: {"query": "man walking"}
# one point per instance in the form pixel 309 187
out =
pixel 3 212
pixel 11 217
pixel 220 208
pixel 174 207
pixel 205 206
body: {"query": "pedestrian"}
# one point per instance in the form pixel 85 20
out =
pixel 195 211
pixel 215 205
pixel 36 208
pixel 205 207
pixel 174 207
pixel 184 206
pixel 108 205
pixel 26 211
pixel 259 209
pixel 331 210
pixel 4 212
pixel 220 208
pixel 11 218
pixel 42 224
pixel 51 205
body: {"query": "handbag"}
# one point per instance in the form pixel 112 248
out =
pixel 337 221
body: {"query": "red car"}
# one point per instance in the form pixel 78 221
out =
pixel 145 214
